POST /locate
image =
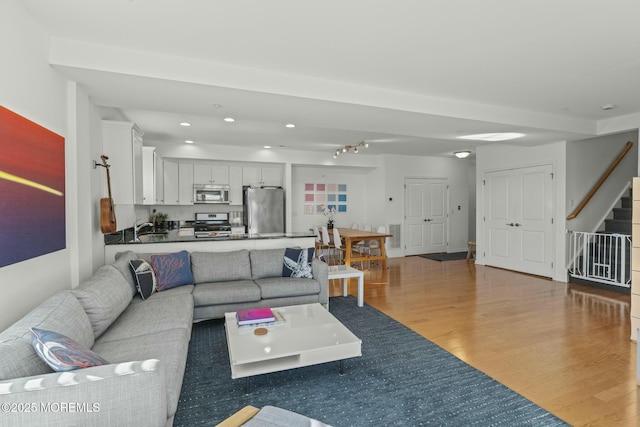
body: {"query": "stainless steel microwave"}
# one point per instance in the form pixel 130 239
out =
pixel 207 193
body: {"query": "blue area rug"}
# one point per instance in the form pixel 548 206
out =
pixel 401 379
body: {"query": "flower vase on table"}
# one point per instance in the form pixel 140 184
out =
pixel 329 213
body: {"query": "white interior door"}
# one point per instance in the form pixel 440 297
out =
pixel 426 220
pixel 518 218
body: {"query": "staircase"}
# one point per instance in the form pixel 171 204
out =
pixel 603 259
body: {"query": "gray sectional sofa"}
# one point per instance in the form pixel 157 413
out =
pixel 145 341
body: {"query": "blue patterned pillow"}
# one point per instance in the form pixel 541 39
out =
pixel 172 270
pixel 62 353
pixel 145 277
pixel 297 263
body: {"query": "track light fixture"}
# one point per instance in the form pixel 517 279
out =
pixel 351 148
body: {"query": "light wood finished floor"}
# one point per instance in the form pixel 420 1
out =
pixel 565 347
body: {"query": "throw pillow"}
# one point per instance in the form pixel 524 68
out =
pixel 172 270
pixel 144 276
pixel 62 353
pixel 297 263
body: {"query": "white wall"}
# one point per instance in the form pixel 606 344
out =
pixel 455 171
pixel 587 160
pixel 31 88
pixel 357 204
pixel 496 157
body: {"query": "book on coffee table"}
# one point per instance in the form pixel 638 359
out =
pixel 254 316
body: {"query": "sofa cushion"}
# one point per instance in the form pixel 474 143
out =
pixel 62 353
pixel 166 311
pixel 225 292
pixel 266 263
pixel 122 264
pixel 62 313
pixel 278 287
pixel 172 270
pixel 104 296
pixel 170 347
pixel 297 263
pixel 145 277
pixel 180 290
pixel 220 266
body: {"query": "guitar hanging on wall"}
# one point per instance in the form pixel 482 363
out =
pixel 107 211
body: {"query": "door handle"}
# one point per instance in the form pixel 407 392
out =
pixel 517 225
pixel 510 224
pixel 427 220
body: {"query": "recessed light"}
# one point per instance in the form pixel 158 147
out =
pixel 188 141
pixel 267 147
pixel 493 137
pixel 462 154
pixel 185 124
pixel 289 125
pixel 229 119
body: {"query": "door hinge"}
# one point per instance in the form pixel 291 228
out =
pixel 551 175
pixel 551 265
pixel 551 220
pixel 484 182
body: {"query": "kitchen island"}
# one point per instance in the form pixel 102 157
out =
pixel 173 242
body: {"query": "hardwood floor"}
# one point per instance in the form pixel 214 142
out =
pixel 566 347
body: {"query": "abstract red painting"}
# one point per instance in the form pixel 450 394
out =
pixel 32 186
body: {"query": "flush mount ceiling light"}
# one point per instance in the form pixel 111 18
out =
pixel 462 154
pixel 267 147
pixel 351 148
pixel 493 137
pixel 185 124
pixel 229 119
pixel 188 141
pixel 608 107
pixel 290 125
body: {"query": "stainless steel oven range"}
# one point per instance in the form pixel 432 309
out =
pixel 212 225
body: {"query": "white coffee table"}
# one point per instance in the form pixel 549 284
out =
pixel 344 272
pixel 309 335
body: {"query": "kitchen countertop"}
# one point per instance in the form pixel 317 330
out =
pixel 173 237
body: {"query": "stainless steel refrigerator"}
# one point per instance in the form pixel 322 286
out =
pixel 264 210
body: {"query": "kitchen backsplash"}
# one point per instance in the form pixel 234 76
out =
pixel 185 213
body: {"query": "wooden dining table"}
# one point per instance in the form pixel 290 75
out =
pixel 352 236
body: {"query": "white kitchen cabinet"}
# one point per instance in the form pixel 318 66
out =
pixel 122 143
pixel 158 167
pixel 138 171
pixel 148 176
pixel 235 185
pixel 262 176
pixel 185 183
pixel 208 173
pixel 171 182
pixel 272 175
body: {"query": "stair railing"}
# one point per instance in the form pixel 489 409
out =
pixel 601 181
pixel 600 257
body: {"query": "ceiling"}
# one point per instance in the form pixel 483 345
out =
pixel 409 77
